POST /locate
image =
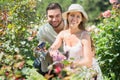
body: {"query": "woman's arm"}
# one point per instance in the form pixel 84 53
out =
pixel 87 53
pixel 56 45
pixel 54 53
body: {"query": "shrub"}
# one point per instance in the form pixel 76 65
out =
pixel 107 42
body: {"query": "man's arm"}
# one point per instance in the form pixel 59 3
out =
pixel 40 35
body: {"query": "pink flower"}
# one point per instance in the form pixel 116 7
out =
pixel 113 1
pixel 30 38
pixel 106 14
pixel 56 55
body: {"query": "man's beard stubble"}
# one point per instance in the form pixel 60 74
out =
pixel 57 25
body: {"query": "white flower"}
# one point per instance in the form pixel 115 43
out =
pixel 17 50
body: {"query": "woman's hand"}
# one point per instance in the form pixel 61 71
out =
pixel 56 55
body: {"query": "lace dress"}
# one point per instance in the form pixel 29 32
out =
pixel 76 52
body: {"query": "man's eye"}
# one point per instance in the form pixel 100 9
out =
pixel 58 16
pixel 50 16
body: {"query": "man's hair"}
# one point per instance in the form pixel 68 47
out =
pixel 52 6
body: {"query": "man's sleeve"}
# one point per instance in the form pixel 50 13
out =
pixel 40 35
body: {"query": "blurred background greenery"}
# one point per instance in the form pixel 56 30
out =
pixel 20 19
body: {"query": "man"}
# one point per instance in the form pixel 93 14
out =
pixel 49 31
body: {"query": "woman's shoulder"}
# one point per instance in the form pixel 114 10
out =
pixel 63 33
pixel 85 34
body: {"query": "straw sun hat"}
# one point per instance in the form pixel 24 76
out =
pixel 74 8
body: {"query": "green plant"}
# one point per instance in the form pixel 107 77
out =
pixel 16 50
pixel 67 73
pixel 107 42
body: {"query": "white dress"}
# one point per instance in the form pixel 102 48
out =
pixel 76 53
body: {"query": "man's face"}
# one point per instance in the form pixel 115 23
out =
pixel 54 17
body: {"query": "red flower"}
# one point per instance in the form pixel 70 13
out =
pixel 57 69
pixel 106 14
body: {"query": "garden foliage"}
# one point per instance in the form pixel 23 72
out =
pixel 107 42
pixel 16 50
pixel 18 20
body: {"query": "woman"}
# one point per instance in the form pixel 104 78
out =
pixel 76 40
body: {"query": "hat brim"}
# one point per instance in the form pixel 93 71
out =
pixel 64 15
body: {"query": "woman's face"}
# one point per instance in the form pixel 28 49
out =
pixel 74 19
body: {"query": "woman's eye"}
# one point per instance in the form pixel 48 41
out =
pixel 72 15
pixel 78 16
